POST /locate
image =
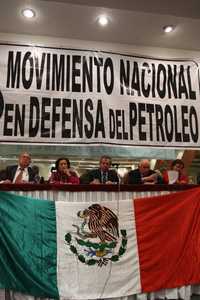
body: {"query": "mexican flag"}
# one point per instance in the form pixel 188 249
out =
pixel 88 250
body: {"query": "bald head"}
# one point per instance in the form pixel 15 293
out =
pixel 144 166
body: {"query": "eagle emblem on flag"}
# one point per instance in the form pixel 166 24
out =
pixel 97 239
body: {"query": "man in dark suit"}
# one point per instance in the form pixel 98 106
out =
pixel 102 175
pixel 20 173
pixel 144 175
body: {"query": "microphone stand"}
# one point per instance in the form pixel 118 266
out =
pixel 116 167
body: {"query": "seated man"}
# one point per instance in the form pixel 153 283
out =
pixel 20 173
pixel 101 175
pixel 144 175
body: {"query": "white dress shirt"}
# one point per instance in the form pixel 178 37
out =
pixel 25 176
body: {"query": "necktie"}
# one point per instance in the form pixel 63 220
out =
pixel 104 177
pixel 19 176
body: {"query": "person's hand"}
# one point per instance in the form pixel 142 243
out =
pixel 67 172
pixel 181 182
pixel 150 182
pixel 109 182
pixel 151 179
pixel 6 181
pixel 95 181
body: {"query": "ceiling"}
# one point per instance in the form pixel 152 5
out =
pixel 136 22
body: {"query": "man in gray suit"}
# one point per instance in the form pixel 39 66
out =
pixel 20 173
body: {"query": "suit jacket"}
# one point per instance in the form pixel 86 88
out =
pixel 96 174
pixel 134 177
pixel 9 173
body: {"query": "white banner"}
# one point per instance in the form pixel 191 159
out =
pixel 74 97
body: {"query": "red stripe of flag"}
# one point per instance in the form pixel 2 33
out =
pixel 168 235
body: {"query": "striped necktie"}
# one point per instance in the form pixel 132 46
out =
pixel 104 177
pixel 19 176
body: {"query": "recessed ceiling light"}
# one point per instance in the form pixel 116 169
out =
pixel 168 28
pixel 103 20
pixel 28 13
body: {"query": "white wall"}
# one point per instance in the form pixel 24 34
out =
pixel 82 44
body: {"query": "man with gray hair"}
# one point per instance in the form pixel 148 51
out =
pixel 20 173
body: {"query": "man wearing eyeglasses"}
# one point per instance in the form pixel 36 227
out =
pixel 20 173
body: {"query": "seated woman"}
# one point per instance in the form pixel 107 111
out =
pixel 178 176
pixel 63 173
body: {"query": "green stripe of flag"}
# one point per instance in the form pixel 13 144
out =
pixel 28 245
